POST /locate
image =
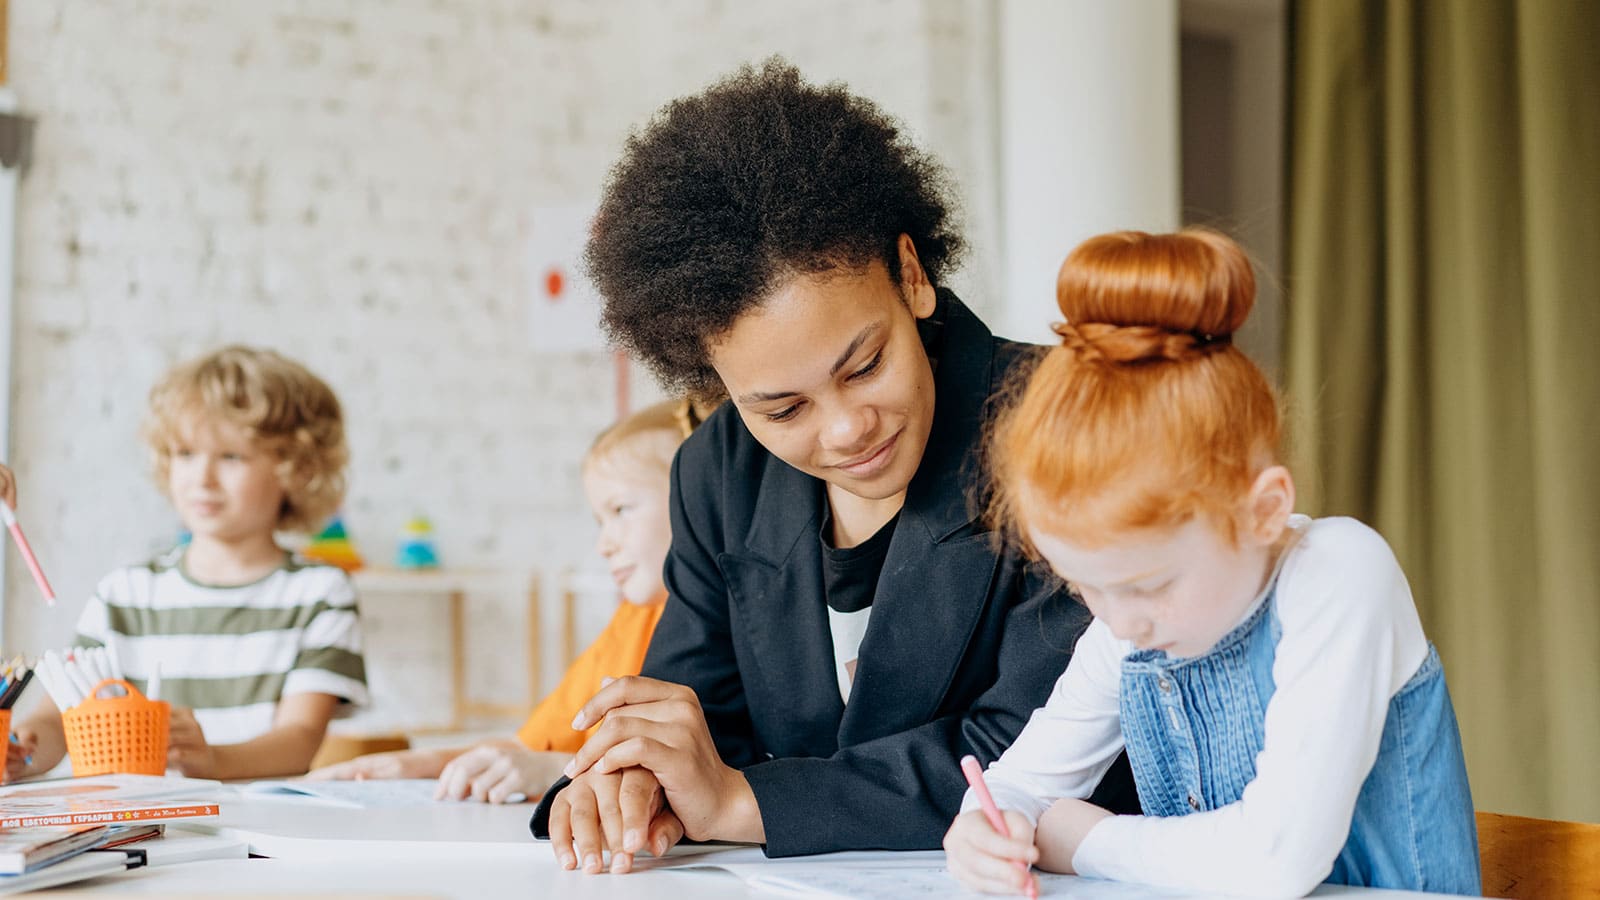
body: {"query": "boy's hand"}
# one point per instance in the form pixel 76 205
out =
pixel 187 750
pixel 19 753
pixel 981 859
pixel 394 764
pixel 493 771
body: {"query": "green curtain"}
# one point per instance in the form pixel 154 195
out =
pixel 1443 348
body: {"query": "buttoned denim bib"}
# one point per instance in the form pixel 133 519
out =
pixel 1194 726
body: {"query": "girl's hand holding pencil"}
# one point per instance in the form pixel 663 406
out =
pixel 8 492
pixel 989 849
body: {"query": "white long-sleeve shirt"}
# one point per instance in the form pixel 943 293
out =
pixel 1350 641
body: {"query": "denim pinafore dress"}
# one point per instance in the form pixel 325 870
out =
pixel 1193 728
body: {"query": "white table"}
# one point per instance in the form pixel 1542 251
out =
pixel 456 850
pixel 448 850
pixel 442 876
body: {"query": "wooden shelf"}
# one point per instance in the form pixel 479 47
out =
pixel 455 585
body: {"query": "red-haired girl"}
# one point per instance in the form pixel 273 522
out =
pixel 1287 720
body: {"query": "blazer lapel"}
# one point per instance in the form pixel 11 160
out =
pixel 780 615
pixel 936 577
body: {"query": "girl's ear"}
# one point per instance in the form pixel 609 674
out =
pixel 1271 501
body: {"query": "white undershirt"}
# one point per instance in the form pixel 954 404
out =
pixel 847 628
pixel 1351 639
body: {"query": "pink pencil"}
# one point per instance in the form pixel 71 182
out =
pixel 974 773
pixel 27 552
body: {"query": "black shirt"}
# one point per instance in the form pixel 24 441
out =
pixel 850 576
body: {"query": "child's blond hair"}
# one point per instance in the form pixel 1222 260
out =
pixel 649 437
pixel 287 411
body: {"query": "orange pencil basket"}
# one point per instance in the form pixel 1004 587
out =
pixel 117 734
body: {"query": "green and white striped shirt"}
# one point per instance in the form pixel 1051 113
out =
pixel 231 652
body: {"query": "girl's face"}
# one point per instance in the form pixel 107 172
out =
pixel 629 501
pixel 223 483
pixel 1178 589
pixel 830 376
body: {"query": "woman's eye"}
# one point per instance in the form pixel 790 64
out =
pixel 783 415
pixel 869 368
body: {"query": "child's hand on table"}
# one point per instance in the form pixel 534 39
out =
pixel 187 749
pixel 502 771
pixel 379 766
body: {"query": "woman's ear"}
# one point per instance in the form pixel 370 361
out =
pixel 1271 501
pixel 914 284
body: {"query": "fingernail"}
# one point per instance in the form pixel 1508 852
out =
pixel 606 681
pixel 571 768
pixel 591 863
pixel 619 863
pixel 661 846
pixel 578 722
pixel 568 861
pixel 630 840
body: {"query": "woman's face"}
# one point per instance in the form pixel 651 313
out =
pixel 830 375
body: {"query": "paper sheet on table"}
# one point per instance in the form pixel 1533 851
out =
pixel 383 793
pixel 872 874
pixel 849 882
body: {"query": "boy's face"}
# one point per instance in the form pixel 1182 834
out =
pixel 629 501
pixel 830 376
pixel 224 484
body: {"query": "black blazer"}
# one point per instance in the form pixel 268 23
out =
pixel 962 645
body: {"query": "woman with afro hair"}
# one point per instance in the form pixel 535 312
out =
pixel 841 626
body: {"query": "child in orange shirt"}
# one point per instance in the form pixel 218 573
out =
pixel 625 478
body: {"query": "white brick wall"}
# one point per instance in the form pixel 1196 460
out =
pixel 348 182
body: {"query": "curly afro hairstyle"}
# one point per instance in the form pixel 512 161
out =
pixel 728 193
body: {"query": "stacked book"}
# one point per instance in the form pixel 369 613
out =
pixel 48 827
pixel 33 847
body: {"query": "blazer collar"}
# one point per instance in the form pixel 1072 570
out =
pixel 789 502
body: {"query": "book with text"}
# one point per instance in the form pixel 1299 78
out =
pixel 106 800
pixel 103 812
